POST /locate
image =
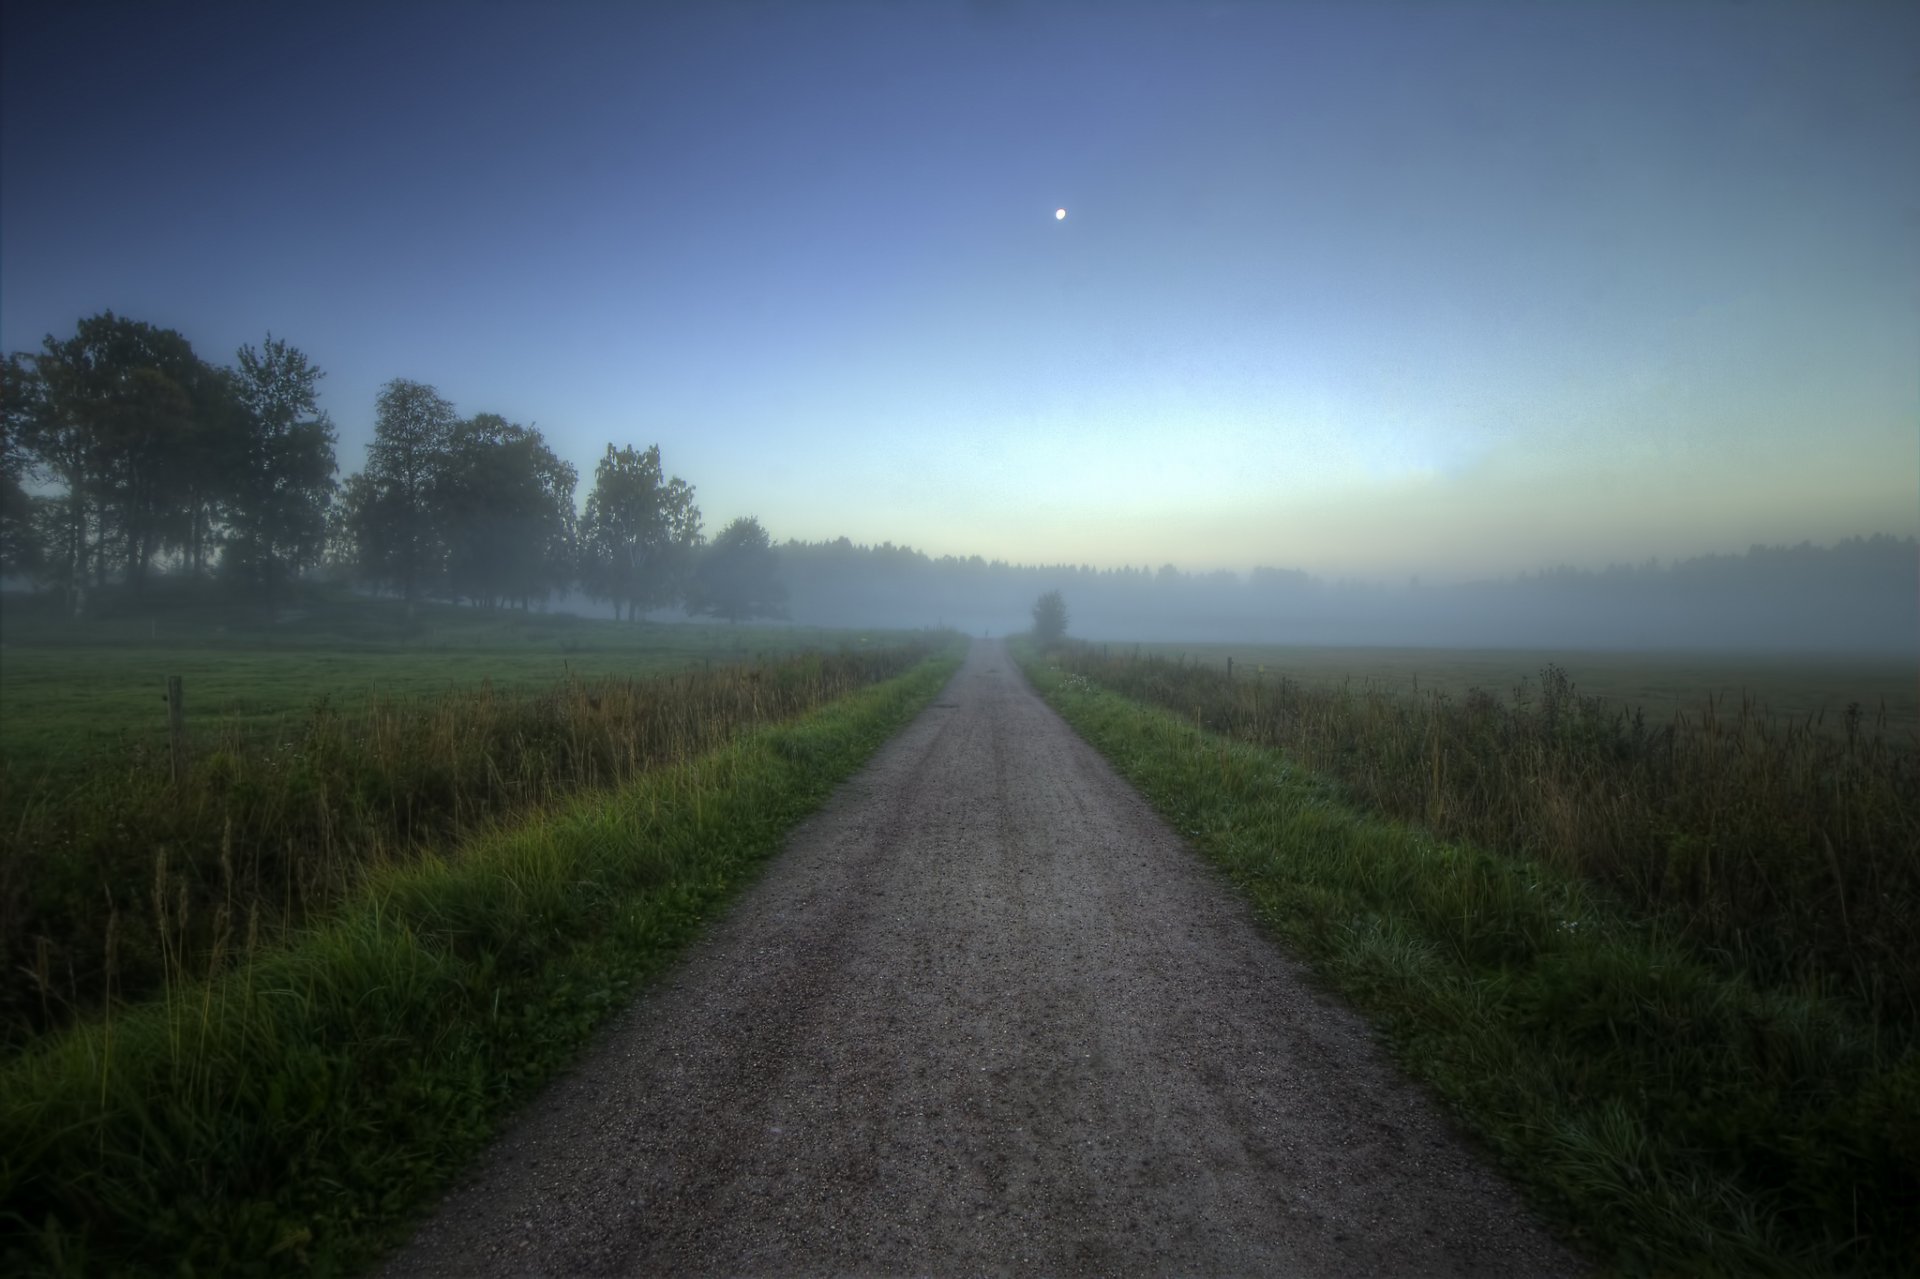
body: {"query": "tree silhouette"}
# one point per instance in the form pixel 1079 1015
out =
pixel 398 537
pixel 1050 618
pixel 20 394
pixel 283 474
pixel 506 508
pixel 737 576
pixel 639 532
pixel 136 427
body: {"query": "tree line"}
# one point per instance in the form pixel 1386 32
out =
pixel 123 453
pixel 1860 593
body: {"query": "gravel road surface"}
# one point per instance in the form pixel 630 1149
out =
pixel 985 1013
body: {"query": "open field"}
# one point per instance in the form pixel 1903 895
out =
pixel 1805 688
pixel 1768 843
pixel 75 693
pixel 316 758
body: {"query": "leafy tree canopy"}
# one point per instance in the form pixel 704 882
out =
pixel 283 475
pixel 138 430
pixel 396 534
pixel 506 505
pixel 737 576
pixel 639 533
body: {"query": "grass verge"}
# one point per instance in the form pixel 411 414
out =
pixel 292 1113
pixel 1677 1117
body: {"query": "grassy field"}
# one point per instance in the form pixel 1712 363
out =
pixel 74 693
pixel 1775 845
pixel 1667 974
pixel 1804 688
pixel 319 755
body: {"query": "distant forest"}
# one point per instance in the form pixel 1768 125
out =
pixel 1861 595
pixel 124 455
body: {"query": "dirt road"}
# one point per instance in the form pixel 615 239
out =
pixel 985 1013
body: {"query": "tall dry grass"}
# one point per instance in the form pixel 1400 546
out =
pixel 1780 848
pixel 125 884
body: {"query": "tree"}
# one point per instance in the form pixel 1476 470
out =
pixel 506 508
pixel 1050 618
pixel 737 576
pixel 283 474
pixel 56 436
pixel 136 427
pixel 20 405
pixel 397 537
pixel 346 555
pixel 639 532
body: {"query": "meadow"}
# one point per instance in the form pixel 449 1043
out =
pixel 72 694
pixel 1812 689
pixel 321 747
pixel 1665 969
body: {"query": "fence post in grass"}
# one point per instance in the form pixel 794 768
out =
pixel 176 727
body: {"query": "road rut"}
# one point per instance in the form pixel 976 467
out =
pixel 984 1013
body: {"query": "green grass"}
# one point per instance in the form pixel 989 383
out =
pixel 292 1113
pixel 1802 688
pixel 1771 847
pixel 1676 1113
pixel 75 693
pixel 116 878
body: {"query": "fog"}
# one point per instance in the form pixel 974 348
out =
pixel 1861 596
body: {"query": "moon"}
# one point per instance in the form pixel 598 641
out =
pixel 1059 215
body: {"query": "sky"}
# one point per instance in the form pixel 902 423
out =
pixel 1456 289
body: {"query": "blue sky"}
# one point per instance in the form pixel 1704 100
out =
pixel 1452 289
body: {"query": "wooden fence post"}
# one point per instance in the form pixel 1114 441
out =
pixel 177 727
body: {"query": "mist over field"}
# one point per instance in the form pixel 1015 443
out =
pixel 1861 596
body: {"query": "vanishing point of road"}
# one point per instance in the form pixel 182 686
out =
pixel 984 1013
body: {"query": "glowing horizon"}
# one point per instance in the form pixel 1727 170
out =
pixel 1363 291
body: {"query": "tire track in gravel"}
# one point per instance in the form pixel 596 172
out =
pixel 985 1012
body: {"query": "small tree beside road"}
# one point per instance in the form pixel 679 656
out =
pixel 1050 618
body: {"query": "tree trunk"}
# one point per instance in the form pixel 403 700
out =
pixel 76 543
pixel 99 550
pixel 195 541
pixel 148 545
